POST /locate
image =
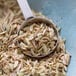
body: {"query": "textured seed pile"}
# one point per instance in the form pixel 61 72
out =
pixel 12 61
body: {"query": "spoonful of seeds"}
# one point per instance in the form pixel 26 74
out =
pixel 38 37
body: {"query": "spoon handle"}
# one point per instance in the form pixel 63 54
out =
pixel 25 8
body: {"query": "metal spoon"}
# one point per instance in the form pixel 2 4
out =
pixel 30 19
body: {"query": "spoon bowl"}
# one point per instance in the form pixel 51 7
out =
pixel 39 20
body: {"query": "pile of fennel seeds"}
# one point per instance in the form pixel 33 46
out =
pixel 12 60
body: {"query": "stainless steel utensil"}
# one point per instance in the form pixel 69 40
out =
pixel 30 19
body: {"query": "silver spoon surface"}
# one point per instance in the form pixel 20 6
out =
pixel 30 19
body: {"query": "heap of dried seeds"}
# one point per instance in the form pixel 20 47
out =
pixel 12 60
